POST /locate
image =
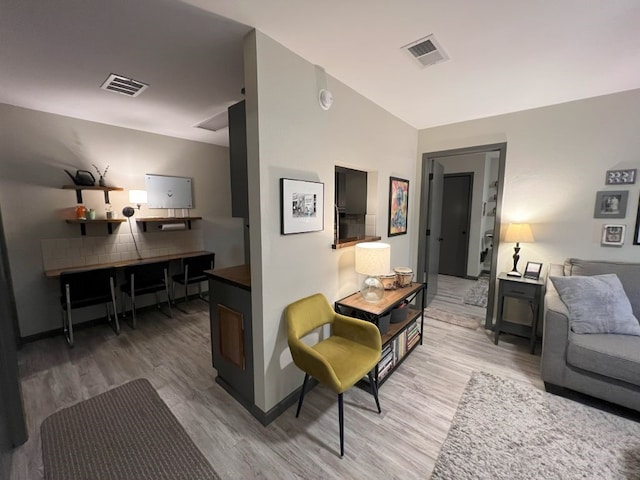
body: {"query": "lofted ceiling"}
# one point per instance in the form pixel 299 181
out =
pixel 505 55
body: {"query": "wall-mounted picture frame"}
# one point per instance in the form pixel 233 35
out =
pixel 636 233
pixel 611 204
pixel 621 177
pixel 398 206
pixel 301 206
pixel 613 235
pixel 532 270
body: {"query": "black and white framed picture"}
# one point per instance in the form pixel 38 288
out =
pixel 532 270
pixel 636 233
pixel 611 204
pixel 613 235
pixel 301 206
pixel 621 177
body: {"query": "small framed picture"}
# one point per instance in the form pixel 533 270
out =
pixel 532 270
pixel 398 206
pixel 610 204
pixel 613 235
pixel 621 177
pixel 301 206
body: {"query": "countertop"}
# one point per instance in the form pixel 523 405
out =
pixel 239 275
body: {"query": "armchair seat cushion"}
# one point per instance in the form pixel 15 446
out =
pixel 611 355
pixel 362 359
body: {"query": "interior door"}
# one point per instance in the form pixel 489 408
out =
pixel 434 220
pixel 456 218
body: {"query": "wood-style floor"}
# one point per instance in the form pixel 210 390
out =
pixel 418 401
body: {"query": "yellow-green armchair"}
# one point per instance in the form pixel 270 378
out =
pixel 339 361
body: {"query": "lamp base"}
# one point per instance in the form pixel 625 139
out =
pixel 514 273
pixel 372 290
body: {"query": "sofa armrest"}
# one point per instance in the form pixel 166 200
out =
pixel 555 337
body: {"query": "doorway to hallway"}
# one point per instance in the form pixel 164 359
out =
pixel 456 219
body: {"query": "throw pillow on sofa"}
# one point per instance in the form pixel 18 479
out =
pixel 597 304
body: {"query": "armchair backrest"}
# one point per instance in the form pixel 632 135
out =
pixel 307 314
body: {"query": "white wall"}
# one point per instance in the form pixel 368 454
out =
pixel 556 161
pixel 297 139
pixel 35 147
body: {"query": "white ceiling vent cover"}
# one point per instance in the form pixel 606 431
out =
pixel 124 85
pixel 426 51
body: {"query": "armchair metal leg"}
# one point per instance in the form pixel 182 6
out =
pixel 341 421
pixel 301 399
pixel 374 389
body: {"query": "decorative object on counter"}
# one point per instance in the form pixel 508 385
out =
pixel 388 280
pixel 518 232
pixel 138 197
pixel 404 275
pixel 102 174
pixel 81 212
pixel 82 177
pixel 611 204
pixel 532 270
pixel 620 177
pixel 91 214
pixel 372 259
pixel 301 206
pixel 613 235
pixel 398 206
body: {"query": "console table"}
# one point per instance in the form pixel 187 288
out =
pixel 523 289
pixel 403 335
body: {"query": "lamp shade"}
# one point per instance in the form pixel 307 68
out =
pixel 373 258
pixel 137 196
pixel 519 232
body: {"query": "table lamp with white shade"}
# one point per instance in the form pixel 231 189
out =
pixel 373 259
pixel 518 232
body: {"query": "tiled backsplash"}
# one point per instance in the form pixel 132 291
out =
pixel 76 252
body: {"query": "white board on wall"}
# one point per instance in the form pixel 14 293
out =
pixel 168 192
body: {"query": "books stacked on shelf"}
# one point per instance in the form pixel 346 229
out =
pixel 413 335
pixel 387 360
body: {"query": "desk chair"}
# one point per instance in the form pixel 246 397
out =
pixel 146 278
pixel 339 361
pixel 193 272
pixel 83 289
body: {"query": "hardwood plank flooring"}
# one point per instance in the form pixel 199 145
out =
pixel 418 401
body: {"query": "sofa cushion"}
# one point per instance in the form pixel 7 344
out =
pixel 628 273
pixel 615 356
pixel 597 304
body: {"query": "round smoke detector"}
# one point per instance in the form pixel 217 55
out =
pixel 325 97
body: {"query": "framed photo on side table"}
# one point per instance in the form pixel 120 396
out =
pixel 532 270
pixel 301 206
pixel 398 206
pixel 611 204
pixel 613 235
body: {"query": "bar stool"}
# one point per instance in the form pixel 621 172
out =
pixel 193 272
pixel 143 279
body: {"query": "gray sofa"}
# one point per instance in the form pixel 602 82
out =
pixel 605 366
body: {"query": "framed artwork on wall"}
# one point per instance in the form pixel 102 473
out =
pixel 621 177
pixel 636 233
pixel 301 206
pixel 611 204
pixel 398 206
pixel 613 235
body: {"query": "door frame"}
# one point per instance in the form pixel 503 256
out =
pixel 501 148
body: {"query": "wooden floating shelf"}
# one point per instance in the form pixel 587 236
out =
pixel 80 188
pixel 109 222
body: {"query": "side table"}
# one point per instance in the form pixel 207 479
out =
pixel 524 289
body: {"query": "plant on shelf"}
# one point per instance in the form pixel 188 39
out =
pixel 102 174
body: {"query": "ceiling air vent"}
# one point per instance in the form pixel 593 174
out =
pixel 125 86
pixel 426 51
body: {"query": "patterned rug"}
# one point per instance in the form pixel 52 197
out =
pixel 478 294
pixel 125 433
pixel 506 430
pixel 468 321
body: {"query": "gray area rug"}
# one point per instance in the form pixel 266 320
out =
pixel 467 321
pixel 125 433
pixel 506 430
pixel 479 293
